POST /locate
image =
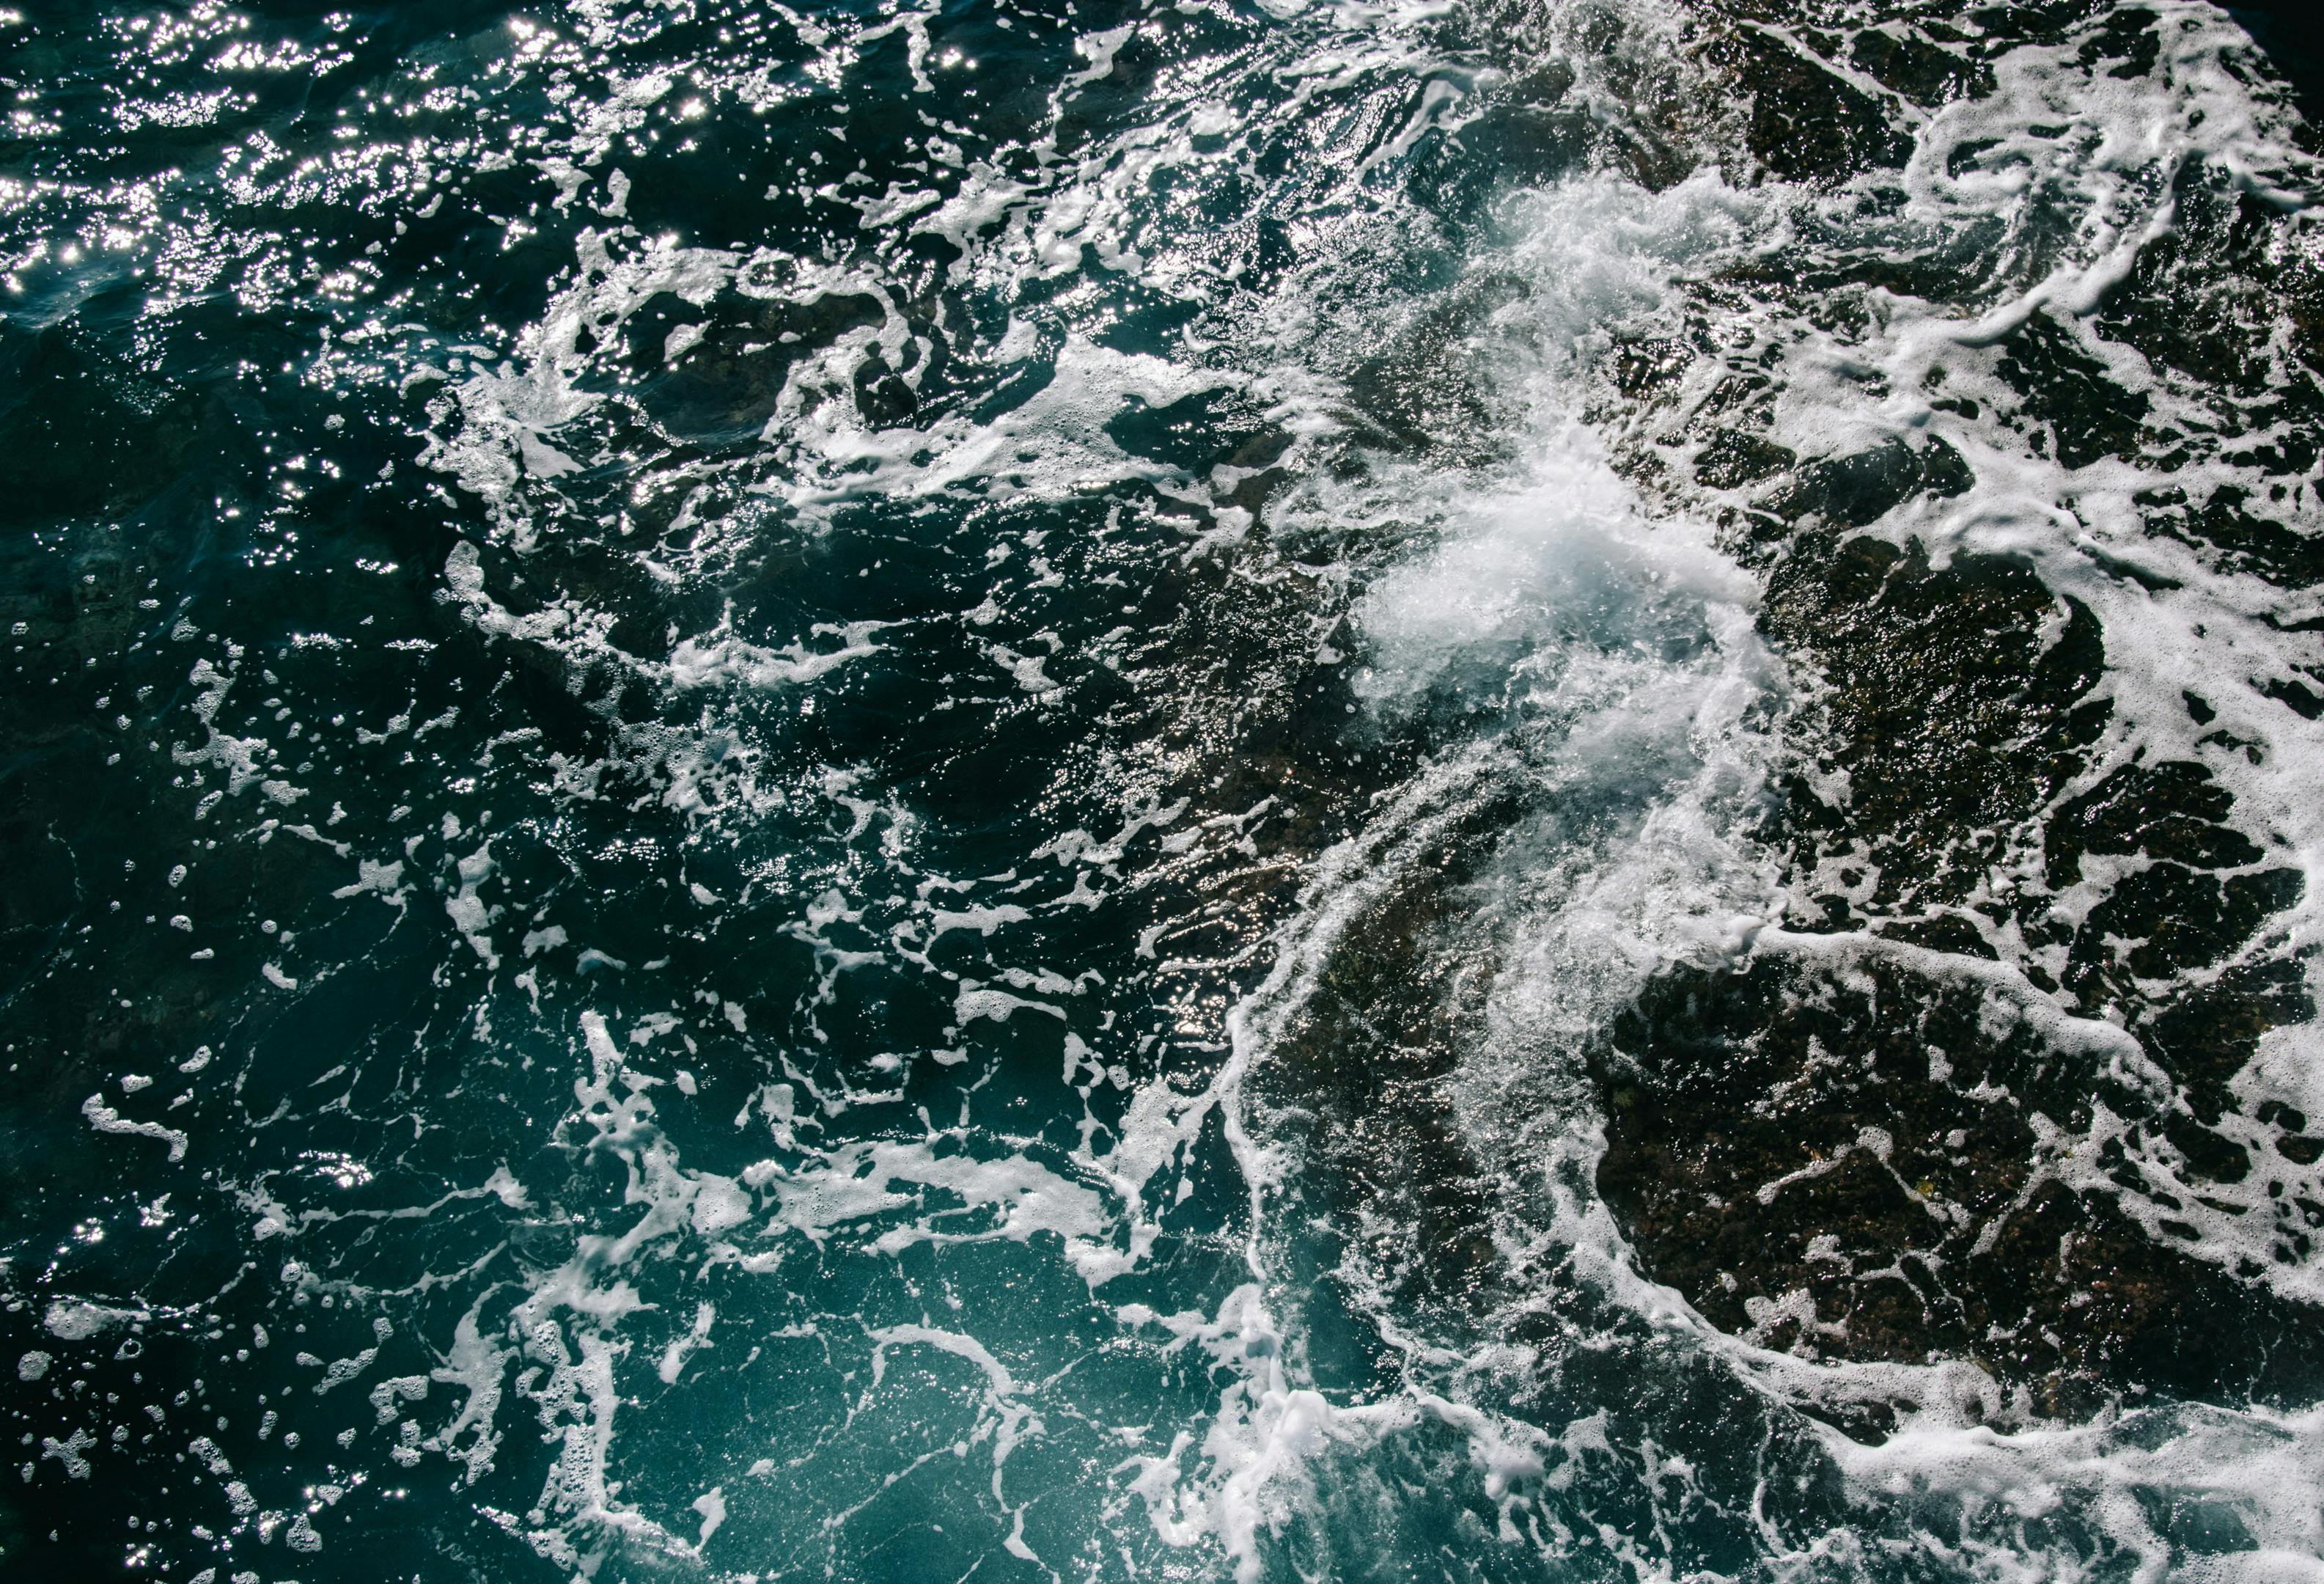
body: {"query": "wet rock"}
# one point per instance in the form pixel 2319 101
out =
pixel 1862 1163
pixel 1857 490
pixel 1732 457
pixel 1954 710
pixel 2237 536
pixel 2089 415
pixel 1806 124
pixel 1923 72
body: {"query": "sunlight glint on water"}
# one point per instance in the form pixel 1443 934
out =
pixel 1489 792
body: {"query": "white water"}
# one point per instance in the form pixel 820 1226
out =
pixel 1541 595
pixel 1588 657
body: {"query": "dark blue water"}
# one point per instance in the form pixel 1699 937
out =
pixel 1115 791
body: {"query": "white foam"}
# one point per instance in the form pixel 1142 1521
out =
pixel 1601 643
pixel 720 657
pixel 2068 139
pixel 103 1118
pixel 1588 928
pixel 1547 599
pixel 1479 617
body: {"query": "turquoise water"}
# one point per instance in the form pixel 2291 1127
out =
pixel 1093 791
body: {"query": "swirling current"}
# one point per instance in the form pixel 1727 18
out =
pixel 1038 790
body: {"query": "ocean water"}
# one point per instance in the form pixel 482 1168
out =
pixel 1474 790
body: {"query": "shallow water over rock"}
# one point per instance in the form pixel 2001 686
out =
pixel 1489 791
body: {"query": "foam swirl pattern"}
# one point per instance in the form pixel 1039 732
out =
pixel 1489 791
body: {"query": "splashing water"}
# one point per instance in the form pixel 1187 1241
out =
pixel 1107 791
